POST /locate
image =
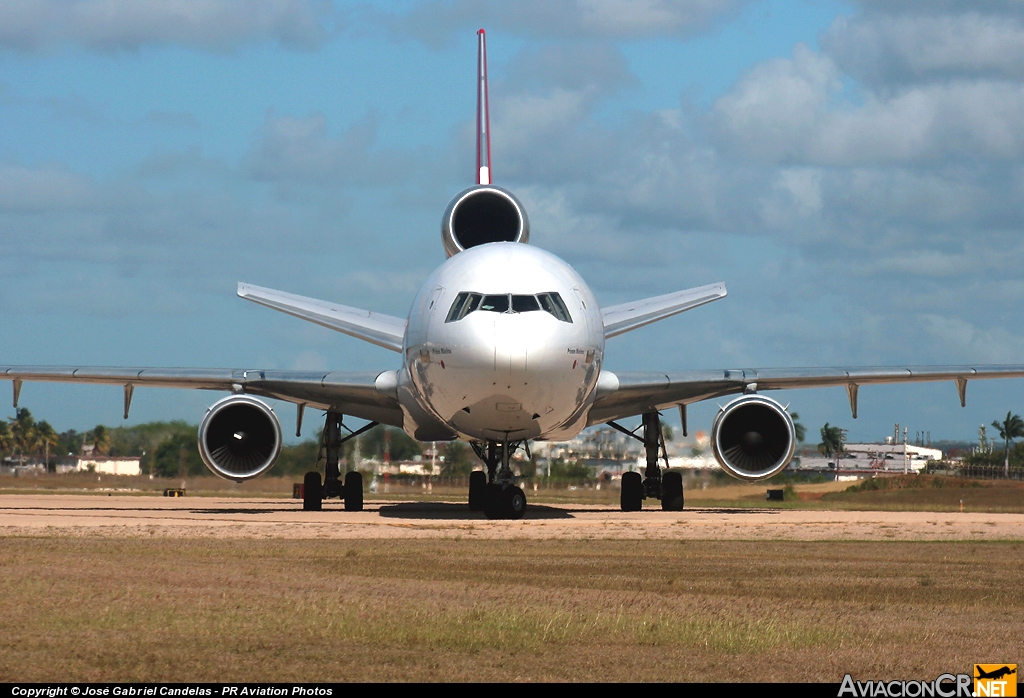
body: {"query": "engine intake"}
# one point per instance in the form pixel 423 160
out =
pixel 239 438
pixel 480 215
pixel 753 438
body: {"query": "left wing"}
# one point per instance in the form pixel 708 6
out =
pixel 645 392
pixel 370 396
pixel 629 316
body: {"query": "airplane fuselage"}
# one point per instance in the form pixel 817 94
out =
pixel 504 342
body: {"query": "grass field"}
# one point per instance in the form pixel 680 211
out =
pixel 914 493
pixel 92 609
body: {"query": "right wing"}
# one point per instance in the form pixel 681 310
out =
pixel 383 330
pixel 636 393
pixel 370 396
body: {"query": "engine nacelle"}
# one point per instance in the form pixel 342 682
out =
pixel 483 214
pixel 239 438
pixel 753 438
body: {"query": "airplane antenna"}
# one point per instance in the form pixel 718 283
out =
pixel 483 117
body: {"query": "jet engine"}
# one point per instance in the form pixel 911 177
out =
pixel 239 438
pixel 483 214
pixel 753 438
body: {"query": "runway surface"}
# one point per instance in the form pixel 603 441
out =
pixel 222 517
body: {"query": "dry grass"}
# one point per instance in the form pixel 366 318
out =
pixel 228 610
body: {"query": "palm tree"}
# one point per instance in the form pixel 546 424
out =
pixel 801 433
pixel 45 438
pixel 832 439
pixel 5 436
pixel 100 439
pixel 23 431
pixel 1012 428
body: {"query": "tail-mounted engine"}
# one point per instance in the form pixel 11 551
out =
pixel 483 214
pixel 753 438
pixel 239 438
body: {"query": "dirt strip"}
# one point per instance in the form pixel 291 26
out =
pixel 210 517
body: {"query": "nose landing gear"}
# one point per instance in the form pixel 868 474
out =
pixel 496 493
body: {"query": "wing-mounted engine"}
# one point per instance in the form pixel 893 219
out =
pixel 482 214
pixel 239 438
pixel 753 438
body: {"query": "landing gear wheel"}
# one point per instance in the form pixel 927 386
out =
pixel 353 491
pixel 631 498
pixel 312 492
pixel 672 491
pixel 477 490
pixel 494 500
pixel 515 502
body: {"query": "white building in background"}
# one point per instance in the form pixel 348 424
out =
pixel 108 465
pixel 887 457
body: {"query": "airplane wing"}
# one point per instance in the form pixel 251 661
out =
pixel 629 316
pixel 377 328
pixel 645 392
pixel 362 395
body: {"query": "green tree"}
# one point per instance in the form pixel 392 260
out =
pixel 575 470
pixel 5 437
pixel 400 445
pixel 178 456
pixel 100 437
pixel 458 460
pixel 1012 428
pixel 46 440
pixel 801 432
pixel 832 440
pixel 23 431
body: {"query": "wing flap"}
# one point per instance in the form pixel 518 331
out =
pixel 383 330
pixel 629 316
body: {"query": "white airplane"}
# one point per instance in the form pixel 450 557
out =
pixel 503 344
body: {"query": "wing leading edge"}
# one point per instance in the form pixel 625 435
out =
pixel 383 330
pixel 644 392
pixel 619 319
pixel 366 395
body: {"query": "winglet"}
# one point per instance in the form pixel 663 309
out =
pixel 483 117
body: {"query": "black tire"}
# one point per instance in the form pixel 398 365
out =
pixel 672 491
pixel 515 502
pixel 494 501
pixel 631 498
pixel 353 491
pixel 477 490
pixel 312 492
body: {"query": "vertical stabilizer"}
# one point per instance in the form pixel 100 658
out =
pixel 483 117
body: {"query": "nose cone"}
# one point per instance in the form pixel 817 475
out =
pixel 514 376
pixel 518 363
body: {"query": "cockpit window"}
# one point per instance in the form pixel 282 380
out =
pixel 524 304
pixel 466 302
pixel 552 302
pixel 495 304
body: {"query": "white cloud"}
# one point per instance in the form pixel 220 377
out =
pixel 217 25
pixel 790 110
pixel 435 22
pixel 899 44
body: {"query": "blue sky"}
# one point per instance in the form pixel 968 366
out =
pixel 854 172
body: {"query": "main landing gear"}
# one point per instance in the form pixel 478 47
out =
pixel 314 492
pixel 495 492
pixel 653 485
